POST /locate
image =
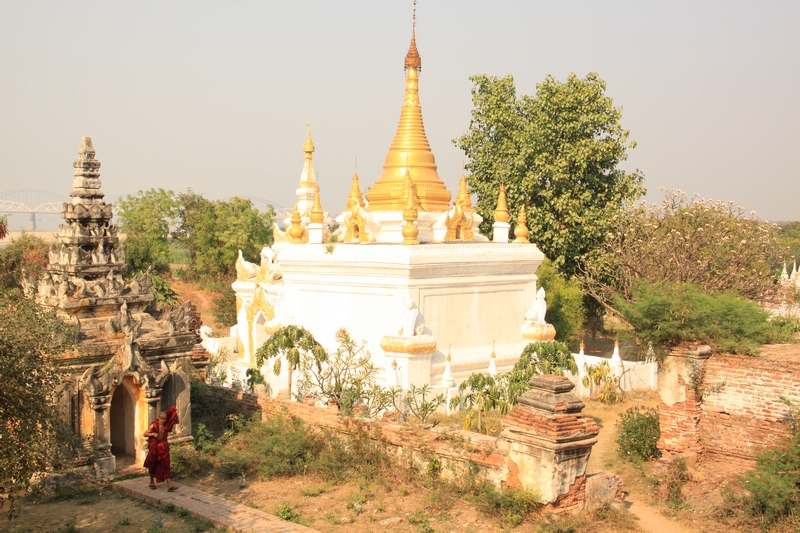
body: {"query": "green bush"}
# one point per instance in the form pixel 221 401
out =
pixel 774 484
pixel 565 309
pixel 211 410
pixel 639 431
pixel 512 505
pixel 667 314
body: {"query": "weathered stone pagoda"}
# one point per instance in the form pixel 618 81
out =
pixel 127 365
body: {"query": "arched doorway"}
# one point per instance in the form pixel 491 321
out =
pixel 122 416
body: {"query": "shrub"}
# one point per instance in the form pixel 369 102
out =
pixel 774 484
pixel 512 505
pixel 565 309
pixel 639 431
pixel 667 314
pixel 286 512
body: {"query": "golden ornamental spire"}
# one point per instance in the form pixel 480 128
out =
pixel 410 148
pixel 501 211
pixel 521 229
pixel 410 213
pixel 355 198
pixel 463 198
pixel 317 215
pixel 296 231
pixel 307 178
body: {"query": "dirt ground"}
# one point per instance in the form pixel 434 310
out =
pixel 202 300
pixel 96 510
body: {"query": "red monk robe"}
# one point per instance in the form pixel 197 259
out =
pixel 157 461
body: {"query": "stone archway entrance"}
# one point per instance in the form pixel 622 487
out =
pixel 122 418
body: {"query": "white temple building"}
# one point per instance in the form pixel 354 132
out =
pixel 405 270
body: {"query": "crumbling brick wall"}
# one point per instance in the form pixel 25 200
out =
pixel 731 404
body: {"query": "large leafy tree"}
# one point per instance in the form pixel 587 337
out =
pixel 558 153
pixel 714 245
pixel 3 226
pixel 26 256
pixel 33 437
pixel 213 232
pixel 145 219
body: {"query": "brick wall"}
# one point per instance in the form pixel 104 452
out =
pixel 741 407
pixel 738 409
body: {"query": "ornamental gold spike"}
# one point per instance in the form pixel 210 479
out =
pixel 296 231
pixel 501 211
pixel 410 213
pixel 521 229
pixel 307 178
pixel 410 148
pixel 317 215
pixel 463 198
pixel 355 198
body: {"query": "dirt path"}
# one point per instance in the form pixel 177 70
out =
pixel 603 459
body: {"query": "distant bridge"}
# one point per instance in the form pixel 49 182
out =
pixel 37 201
pixel 31 201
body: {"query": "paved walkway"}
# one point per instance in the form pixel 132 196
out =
pixel 222 512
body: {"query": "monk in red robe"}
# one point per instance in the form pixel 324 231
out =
pixel 157 461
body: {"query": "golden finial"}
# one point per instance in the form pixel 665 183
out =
pixel 308 146
pixel 463 198
pixel 501 211
pixel 583 345
pixel 521 229
pixel 296 231
pixel 307 178
pixel 448 352
pixel 394 363
pixel 317 216
pixel 493 354
pixel 413 59
pixel 410 213
pixel 616 343
pixel 354 198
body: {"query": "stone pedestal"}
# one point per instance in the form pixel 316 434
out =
pixel 413 357
pixel 538 332
pixel 500 231
pixel 549 441
pixel 315 233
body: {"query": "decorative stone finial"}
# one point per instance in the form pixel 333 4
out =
pixel 521 229
pixel 296 232
pixel 501 211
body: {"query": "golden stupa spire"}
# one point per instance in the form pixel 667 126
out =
pixel 410 148
pixel 296 231
pixel 355 199
pixel 317 215
pixel 410 213
pixel 521 229
pixel 501 211
pixel 463 198
pixel 307 178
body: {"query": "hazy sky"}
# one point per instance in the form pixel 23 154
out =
pixel 215 95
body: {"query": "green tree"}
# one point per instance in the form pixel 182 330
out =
pixel 33 437
pixel 213 232
pixel 789 237
pixel 565 308
pixel 27 255
pixel 3 227
pixel 292 342
pixel 146 219
pixel 557 153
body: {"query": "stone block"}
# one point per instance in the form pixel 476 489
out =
pixel 603 488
